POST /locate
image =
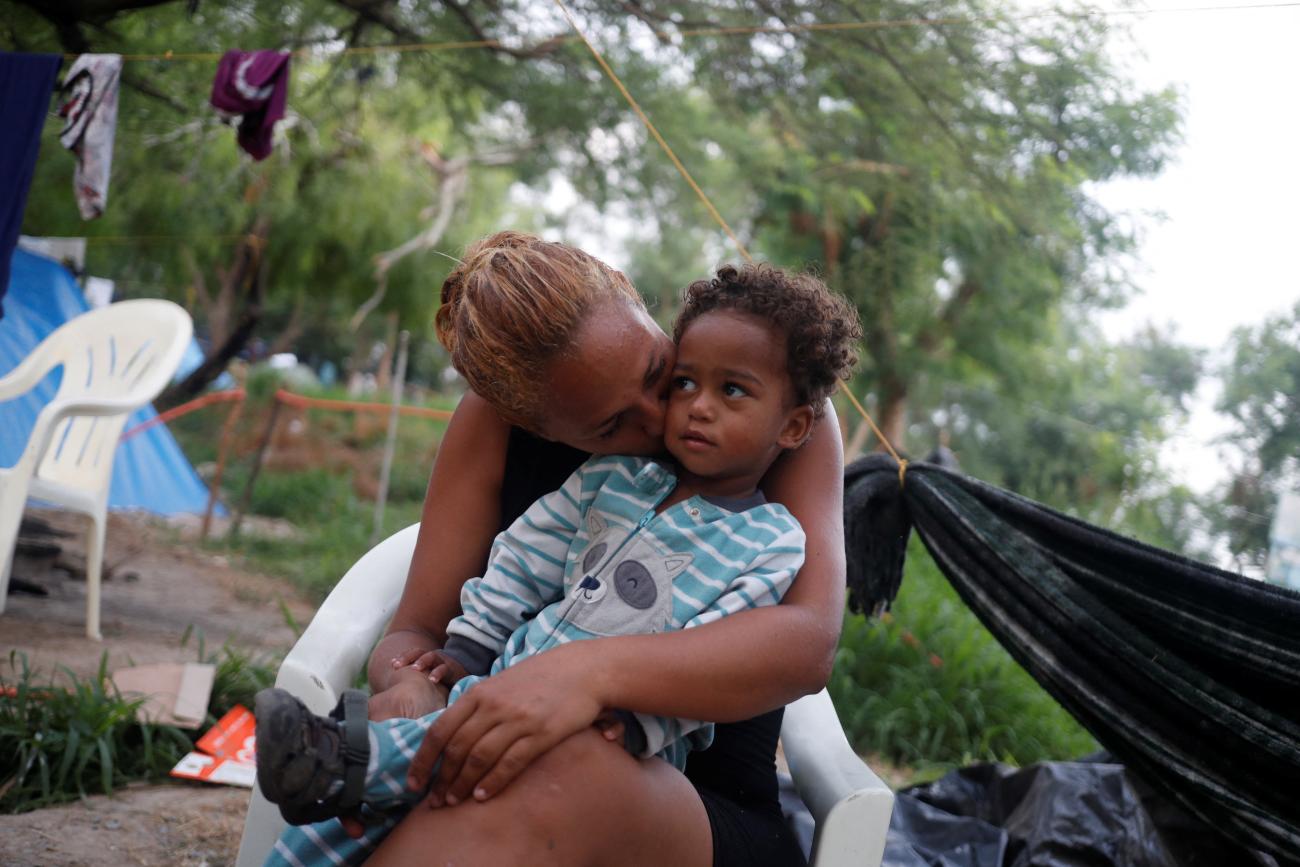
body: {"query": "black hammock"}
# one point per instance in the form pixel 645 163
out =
pixel 1188 674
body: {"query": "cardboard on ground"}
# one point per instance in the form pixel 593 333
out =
pixel 175 694
pixel 227 752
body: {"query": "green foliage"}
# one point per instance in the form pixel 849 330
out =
pixel 1078 425
pixel 305 497
pixel 1261 394
pixel 59 743
pixel 65 738
pixel 240 673
pixel 941 177
pixel 928 686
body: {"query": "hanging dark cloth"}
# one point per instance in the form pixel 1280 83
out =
pixel 26 82
pixel 255 86
pixel 1188 674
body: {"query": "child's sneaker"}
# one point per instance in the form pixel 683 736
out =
pixel 312 766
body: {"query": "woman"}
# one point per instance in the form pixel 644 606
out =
pixel 554 342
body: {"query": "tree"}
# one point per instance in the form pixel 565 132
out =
pixel 384 158
pixel 938 173
pixel 1261 394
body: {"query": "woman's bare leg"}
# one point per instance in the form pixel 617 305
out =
pixel 586 803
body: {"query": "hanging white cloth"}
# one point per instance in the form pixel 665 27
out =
pixel 89 110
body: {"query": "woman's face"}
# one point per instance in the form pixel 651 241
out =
pixel 607 395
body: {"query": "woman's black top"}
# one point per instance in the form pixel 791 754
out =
pixel 736 776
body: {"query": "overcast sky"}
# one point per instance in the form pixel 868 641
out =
pixel 1224 255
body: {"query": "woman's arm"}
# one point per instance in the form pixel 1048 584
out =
pixel 733 669
pixel 460 518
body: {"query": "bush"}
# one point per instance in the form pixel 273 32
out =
pixel 928 686
pixel 60 741
pixel 305 497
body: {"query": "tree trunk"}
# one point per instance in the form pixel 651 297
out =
pixel 893 415
pixel 248 277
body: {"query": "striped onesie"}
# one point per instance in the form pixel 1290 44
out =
pixel 588 560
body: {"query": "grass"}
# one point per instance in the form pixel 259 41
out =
pixel 324 549
pixel 58 743
pixel 334 523
pixel 63 738
pixel 929 687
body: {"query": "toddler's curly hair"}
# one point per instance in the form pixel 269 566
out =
pixel 821 328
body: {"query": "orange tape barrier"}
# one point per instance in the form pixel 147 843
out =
pixel 185 409
pixel 298 400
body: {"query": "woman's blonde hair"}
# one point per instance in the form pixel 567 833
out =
pixel 511 307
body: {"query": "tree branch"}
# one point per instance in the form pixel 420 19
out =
pixel 943 325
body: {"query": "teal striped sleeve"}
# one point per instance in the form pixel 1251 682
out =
pixel 525 571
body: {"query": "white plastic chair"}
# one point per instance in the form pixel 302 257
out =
pixel 115 360
pixel 850 804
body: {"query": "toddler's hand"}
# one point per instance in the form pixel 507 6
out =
pixel 611 726
pixel 442 668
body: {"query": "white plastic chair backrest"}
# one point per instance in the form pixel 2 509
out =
pixel 126 351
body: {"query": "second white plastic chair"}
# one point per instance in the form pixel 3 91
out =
pixel 115 360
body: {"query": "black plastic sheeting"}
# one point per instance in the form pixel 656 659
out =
pixel 1089 813
pixel 1064 814
pixel 1187 674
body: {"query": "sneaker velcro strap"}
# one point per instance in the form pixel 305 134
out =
pixel 356 747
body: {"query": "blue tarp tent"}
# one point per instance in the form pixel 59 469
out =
pixel 149 471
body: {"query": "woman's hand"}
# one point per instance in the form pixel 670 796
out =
pixel 501 724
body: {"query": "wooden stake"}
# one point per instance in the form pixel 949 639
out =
pixel 247 496
pixel 227 430
pixel 399 379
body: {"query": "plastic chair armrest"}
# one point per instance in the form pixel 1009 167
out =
pixel 22 378
pixel 850 804
pixel 337 643
pixel 92 406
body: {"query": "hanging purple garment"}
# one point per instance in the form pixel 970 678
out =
pixel 26 82
pixel 255 85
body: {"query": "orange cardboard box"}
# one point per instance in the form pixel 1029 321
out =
pixel 228 752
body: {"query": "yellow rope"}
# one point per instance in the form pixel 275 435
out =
pixel 655 132
pixel 902 462
pixel 303 52
pixel 154 239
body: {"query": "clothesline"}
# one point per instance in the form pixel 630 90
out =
pixel 736 30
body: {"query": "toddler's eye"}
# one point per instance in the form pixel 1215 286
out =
pixel 612 429
pixel 683 383
pixel 733 390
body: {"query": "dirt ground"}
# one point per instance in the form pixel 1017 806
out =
pixel 161 585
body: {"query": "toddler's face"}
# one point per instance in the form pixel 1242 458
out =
pixel 730 402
